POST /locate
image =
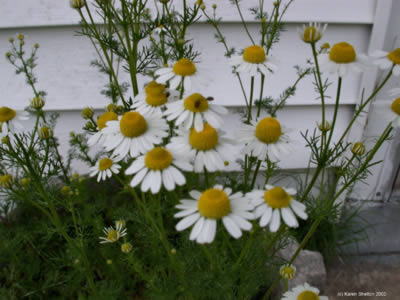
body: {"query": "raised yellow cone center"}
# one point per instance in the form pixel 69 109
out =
pixel 104 118
pixel 394 56
pixel 311 34
pixel 396 106
pixel 277 197
pixel 105 164
pixel 214 204
pixel 113 235
pixel 342 53
pixel 184 67
pixel 203 140
pixel 307 295
pixel 155 94
pixel 133 124
pixel 6 114
pixel 288 272
pixel 196 103
pixel 254 54
pixel 268 130
pixel 158 159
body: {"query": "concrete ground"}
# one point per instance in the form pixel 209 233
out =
pixel 373 270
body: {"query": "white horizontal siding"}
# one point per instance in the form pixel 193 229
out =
pixel 30 13
pixel 64 66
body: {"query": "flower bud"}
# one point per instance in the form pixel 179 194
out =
pixel 87 113
pixel 77 4
pixel 358 149
pixel 37 102
pixel 109 261
pixel 173 251
pixel 126 247
pixel 8 54
pixel 226 163
pixel 11 40
pixel 66 191
pixel 203 7
pixel 325 46
pixel 25 182
pixel 45 133
pixel 89 126
pixel 214 6
pixel 6 181
pixel 36 46
pixel 5 140
pixel 72 134
pixel 112 107
pixel 325 127
pixel 121 223
pixel 20 37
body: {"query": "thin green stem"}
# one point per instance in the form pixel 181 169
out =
pixel 243 21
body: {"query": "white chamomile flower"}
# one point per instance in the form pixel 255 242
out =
pixel 287 271
pixel 207 208
pixel 275 202
pixel 160 29
pixel 154 97
pixel 104 168
pixel 159 167
pixel 265 138
pixel 134 133
pixel 342 59
pixel 10 121
pixel 312 33
pixel 113 234
pixel 395 113
pixel 183 71
pixel 386 60
pixel 99 138
pixel 208 148
pixel 303 292
pixel 194 111
pixel 253 60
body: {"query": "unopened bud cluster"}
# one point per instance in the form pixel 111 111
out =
pixel 358 149
pixel 77 4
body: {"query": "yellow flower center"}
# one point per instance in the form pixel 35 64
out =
pixel 394 56
pixel 307 295
pixel 113 235
pixel 6 180
pixel 288 272
pixel 105 163
pixel 268 130
pixel 6 114
pixel 203 140
pixel 196 103
pixel 342 53
pixel 184 67
pixel 254 54
pixel 155 94
pixel 311 34
pixel 133 124
pixel 104 118
pixel 158 159
pixel 277 197
pixel 396 106
pixel 214 204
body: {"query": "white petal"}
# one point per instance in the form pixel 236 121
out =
pixel 275 221
pixel 231 227
pixel 187 222
pixel 289 217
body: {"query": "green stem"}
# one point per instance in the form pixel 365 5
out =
pixel 243 21
pixel 261 95
pixel 251 100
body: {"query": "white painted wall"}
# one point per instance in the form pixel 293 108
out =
pixel 64 70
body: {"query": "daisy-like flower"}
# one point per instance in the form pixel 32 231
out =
pixel 104 168
pixel 112 234
pixel 160 29
pixel 154 97
pixel 10 121
pixel 194 111
pixel 395 113
pixel 303 292
pixel 342 59
pixel 134 133
pixel 287 271
pixel 208 148
pixel 253 60
pixel 386 60
pixel 265 138
pixel 159 166
pixel 183 71
pixel 312 33
pixel 275 202
pixel 214 204
pixel 98 137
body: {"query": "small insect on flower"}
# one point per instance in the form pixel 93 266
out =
pixel 312 33
pixel 386 60
pixel 105 167
pixel 303 292
pixel 342 59
pixel 217 203
pixel 287 271
pixel 194 111
pixel 275 202
pixel 185 72
pixel 265 138
pixel 254 60
pixel 112 234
